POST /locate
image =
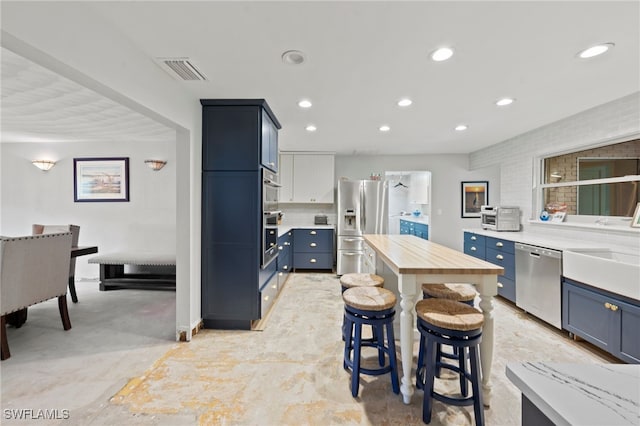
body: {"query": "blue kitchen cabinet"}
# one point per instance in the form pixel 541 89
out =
pixel 234 286
pixel 408 227
pixel 313 248
pixel 499 252
pixel 421 230
pixel 609 321
pixel 404 227
pixel 285 257
pixel 238 134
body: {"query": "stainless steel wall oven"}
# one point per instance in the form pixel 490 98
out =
pixel 270 213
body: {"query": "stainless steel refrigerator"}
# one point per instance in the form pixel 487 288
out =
pixel 363 208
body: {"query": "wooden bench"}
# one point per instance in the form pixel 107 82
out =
pixel 146 270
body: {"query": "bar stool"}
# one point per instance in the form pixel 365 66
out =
pixel 464 293
pixel 372 306
pixel 359 280
pixel 456 324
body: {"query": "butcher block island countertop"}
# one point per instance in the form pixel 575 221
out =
pixel 405 254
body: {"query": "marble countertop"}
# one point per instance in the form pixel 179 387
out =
pixel 581 394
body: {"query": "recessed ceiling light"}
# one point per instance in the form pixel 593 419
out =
pixel 596 50
pixel 442 54
pixel 405 102
pixel 293 57
pixel 461 127
pixel 384 128
pixel 305 103
pixel 311 128
pixel 505 101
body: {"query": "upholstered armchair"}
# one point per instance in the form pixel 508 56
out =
pixel 37 229
pixel 33 269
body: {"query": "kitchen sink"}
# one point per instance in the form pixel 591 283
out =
pixel 612 270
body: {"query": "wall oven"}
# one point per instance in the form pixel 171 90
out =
pixel 270 214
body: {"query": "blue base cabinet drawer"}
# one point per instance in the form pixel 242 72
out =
pixel 313 248
pixel 507 288
pixel 313 260
pixel 499 252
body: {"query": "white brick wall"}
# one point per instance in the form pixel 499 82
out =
pixel 516 156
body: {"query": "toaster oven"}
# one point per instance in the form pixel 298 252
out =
pixel 500 218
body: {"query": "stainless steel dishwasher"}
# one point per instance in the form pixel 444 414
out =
pixel 538 282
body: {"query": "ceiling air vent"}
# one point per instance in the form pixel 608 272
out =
pixel 181 69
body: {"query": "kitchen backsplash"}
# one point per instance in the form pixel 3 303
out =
pixel 303 214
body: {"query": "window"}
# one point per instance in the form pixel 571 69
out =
pixel 603 181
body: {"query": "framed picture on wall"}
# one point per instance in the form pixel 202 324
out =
pixel 100 179
pixel 474 195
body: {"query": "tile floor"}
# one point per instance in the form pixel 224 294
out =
pixel 120 364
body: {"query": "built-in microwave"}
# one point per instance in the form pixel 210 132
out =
pixel 501 218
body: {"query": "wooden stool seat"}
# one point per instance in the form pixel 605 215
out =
pixel 369 298
pixel 449 314
pixel 361 280
pixel 457 292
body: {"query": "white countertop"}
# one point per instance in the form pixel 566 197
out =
pixel 284 228
pixel 416 219
pixel 581 394
pixel 540 240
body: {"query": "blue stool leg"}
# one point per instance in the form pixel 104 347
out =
pixel 462 364
pixel 430 365
pixel 420 370
pixel 348 341
pixel 395 385
pixel 478 406
pixel 355 372
pixel 378 339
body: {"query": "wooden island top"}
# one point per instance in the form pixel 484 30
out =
pixel 408 254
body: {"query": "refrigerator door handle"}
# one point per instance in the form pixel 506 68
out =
pixel 363 210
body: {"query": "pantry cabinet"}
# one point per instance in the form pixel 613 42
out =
pixel 307 178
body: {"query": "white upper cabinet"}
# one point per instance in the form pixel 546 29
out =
pixel 307 178
pixel 419 188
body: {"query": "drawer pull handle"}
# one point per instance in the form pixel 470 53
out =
pixel 272 232
pixel 500 285
pixel 499 244
pixel 313 261
pixel 499 257
pixel 312 245
pixel 285 267
pixel 607 305
pixel 473 248
pixel 614 308
pixel 473 238
pixel 287 243
pixel 349 254
pixel 349 240
pixel 313 233
pixel 280 248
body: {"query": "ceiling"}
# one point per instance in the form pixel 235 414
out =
pixel 361 58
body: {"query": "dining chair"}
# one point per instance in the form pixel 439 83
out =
pixel 38 229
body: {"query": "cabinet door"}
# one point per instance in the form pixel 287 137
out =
pixel 313 176
pixel 230 138
pixel 269 143
pixel 286 178
pixel 626 341
pixel 419 188
pixel 585 314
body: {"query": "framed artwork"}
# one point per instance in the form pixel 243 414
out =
pixel 100 179
pixel 474 195
pixel 635 221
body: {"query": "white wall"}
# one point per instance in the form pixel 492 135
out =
pixel 515 157
pixel 146 222
pixel 447 173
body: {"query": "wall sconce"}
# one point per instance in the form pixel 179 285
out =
pixel 155 165
pixel 43 164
